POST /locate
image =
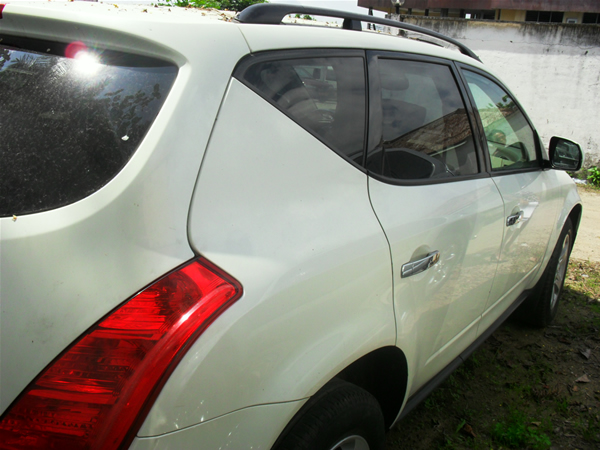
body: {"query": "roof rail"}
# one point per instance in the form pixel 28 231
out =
pixel 274 13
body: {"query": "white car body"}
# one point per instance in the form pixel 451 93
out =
pixel 317 244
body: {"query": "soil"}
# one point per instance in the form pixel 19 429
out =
pixel 526 388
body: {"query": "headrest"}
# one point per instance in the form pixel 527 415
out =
pixel 393 81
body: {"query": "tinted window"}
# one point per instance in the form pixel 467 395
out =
pixel 425 128
pixel 544 16
pixel 591 18
pixel 510 139
pixel 324 95
pixel 69 125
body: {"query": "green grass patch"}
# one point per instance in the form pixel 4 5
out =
pixel 518 431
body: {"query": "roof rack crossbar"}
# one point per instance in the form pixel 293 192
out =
pixel 274 13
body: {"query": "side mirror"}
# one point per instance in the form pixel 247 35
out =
pixel 565 154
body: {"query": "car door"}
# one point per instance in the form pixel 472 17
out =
pixel 531 198
pixel 442 215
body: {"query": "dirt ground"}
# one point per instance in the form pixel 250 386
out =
pixel 526 388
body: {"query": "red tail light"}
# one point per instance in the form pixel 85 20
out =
pixel 98 392
pixel 2 5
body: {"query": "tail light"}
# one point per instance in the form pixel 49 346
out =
pixel 97 393
pixel 2 5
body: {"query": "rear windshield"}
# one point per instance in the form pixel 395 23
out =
pixel 70 120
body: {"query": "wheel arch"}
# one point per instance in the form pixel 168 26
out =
pixel 384 374
pixel 575 216
pixel 571 209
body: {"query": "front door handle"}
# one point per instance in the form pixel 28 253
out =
pixel 514 219
pixel 414 267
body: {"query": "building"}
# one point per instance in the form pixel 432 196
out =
pixel 557 11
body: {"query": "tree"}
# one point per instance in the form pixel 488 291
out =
pixel 305 17
pixel 231 5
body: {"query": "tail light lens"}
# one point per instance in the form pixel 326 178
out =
pixel 98 392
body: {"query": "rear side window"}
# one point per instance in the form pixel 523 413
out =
pixel 326 96
pixel 70 124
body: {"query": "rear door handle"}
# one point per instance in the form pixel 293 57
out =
pixel 514 219
pixel 414 267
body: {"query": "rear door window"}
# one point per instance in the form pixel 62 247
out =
pixel 71 120
pixel 424 130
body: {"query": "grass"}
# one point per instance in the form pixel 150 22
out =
pixel 583 174
pixel 519 431
pixel 585 279
pixel 588 188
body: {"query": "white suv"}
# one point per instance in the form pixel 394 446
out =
pixel 234 233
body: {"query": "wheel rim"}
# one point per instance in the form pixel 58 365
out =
pixel 352 443
pixel 561 270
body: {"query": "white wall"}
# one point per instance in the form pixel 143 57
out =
pixel 553 70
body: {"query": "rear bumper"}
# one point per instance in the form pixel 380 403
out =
pixel 256 427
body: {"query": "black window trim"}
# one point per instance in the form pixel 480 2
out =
pixel 538 150
pixel 287 54
pixel 375 120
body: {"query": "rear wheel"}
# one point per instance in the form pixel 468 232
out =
pixel 351 443
pixel 341 416
pixel 540 309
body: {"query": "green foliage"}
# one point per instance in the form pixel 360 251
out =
pixel 515 432
pixel 305 17
pixel 230 5
pixel 594 176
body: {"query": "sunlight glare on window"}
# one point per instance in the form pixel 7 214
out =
pixel 86 63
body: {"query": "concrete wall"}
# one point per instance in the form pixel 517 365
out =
pixel 553 70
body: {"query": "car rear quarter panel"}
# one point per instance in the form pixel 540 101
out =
pixel 292 221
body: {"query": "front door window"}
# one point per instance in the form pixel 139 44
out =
pixel 510 139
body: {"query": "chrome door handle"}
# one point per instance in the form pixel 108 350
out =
pixel 514 219
pixel 414 267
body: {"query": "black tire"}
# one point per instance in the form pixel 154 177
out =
pixel 341 416
pixel 540 308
